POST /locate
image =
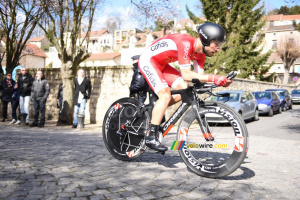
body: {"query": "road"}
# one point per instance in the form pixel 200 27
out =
pixel 63 163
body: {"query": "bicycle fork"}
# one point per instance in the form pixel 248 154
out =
pixel 203 124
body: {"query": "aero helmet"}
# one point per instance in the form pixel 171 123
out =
pixel 211 31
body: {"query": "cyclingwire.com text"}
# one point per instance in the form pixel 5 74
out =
pixel 200 146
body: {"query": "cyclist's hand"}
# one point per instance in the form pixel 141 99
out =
pixel 219 80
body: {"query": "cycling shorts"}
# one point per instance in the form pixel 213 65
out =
pixel 157 75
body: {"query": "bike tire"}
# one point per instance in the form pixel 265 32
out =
pixel 225 162
pixel 132 145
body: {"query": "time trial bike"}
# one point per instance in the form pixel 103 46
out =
pixel 212 138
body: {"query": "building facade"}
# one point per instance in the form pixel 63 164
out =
pixel 279 30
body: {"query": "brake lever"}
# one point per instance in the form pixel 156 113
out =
pixel 231 75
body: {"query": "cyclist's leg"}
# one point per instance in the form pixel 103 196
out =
pixel 151 70
pixel 174 80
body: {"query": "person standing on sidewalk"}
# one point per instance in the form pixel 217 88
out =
pixel 15 104
pixel 59 98
pixel 7 92
pixel 24 84
pixel 39 93
pixel 81 94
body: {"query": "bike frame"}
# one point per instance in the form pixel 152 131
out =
pixel 189 98
pixel 187 101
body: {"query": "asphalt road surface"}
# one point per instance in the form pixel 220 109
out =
pixel 63 163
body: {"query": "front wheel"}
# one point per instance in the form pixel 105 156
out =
pixel 280 110
pixel 271 113
pixel 285 107
pixel 229 145
pixel 256 115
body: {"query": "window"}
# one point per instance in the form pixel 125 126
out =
pixel 271 23
pixel 274 96
pixel 274 44
pixel 291 40
pixel 249 96
pixel 104 41
pixel 244 96
pixel 107 41
pixel 118 34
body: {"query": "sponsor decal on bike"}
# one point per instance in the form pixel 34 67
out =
pixel 227 115
pixel 117 106
pixel 135 151
pixel 182 134
pixel 174 116
pixel 198 165
pixel 159 45
pixel 239 144
pixel 110 114
pixel 194 162
pixel 149 75
pixel 186 49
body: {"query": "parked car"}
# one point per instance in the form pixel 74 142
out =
pixel 285 97
pixel 242 101
pixel 268 102
pixel 295 96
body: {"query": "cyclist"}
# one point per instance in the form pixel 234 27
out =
pixel 153 64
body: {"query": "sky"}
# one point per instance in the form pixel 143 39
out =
pixel 123 7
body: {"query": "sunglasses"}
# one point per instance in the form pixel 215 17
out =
pixel 216 45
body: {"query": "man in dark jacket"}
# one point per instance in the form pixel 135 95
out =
pixel 138 86
pixel 59 98
pixel 81 94
pixel 24 84
pixel 7 92
pixel 39 93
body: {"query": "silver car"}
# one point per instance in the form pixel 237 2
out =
pixel 242 101
pixel 295 96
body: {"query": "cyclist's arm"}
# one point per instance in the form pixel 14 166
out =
pixel 188 75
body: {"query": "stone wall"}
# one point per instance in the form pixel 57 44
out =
pixel 112 83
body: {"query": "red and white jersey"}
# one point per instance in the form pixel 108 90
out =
pixel 176 47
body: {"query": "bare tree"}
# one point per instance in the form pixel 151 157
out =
pixel 2 51
pixel 147 12
pixel 17 25
pixel 289 51
pixel 113 22
pixel 65 21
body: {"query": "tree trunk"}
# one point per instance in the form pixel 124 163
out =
pixel 286 73
pixel 67 75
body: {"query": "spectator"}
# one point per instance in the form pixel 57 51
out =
pixel 24 85
pixel 7 92
pixel 59 98
pixel 15 104
pixel 39 93
pixel 138 86
pixel 81 94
